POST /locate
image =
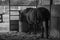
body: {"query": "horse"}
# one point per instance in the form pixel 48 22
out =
pixel 34 17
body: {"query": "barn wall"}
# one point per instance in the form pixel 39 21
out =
pixel 56 16
pixel 4 26
pixel 14 18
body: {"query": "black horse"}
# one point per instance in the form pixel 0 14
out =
pixel 32 19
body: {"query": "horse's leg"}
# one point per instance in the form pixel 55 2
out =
pixel 46 25
pixel 42 29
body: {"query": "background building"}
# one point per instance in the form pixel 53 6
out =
pixel 10 15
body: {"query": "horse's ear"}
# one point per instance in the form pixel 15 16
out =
pixel 19 12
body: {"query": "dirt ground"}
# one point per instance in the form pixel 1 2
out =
pixel 22 36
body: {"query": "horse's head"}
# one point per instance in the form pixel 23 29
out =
pixel 25 14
